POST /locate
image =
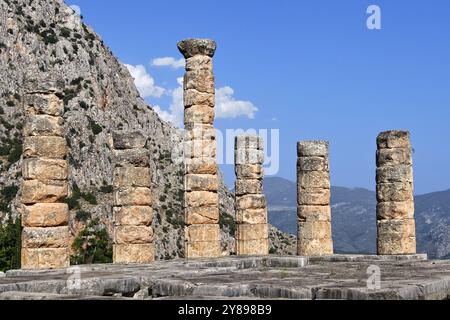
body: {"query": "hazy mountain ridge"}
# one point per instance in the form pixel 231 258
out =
pixel 354 217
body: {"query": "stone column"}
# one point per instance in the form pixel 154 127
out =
pixel 395 208
pixel 313 199
pixel 132 211
pixel 45 236
pixel 252 232
pixel 202 231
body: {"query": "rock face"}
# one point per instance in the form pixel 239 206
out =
pixel 45 236
pixel 252 236
pixel 313 199
pixel 201 179
pixel 132 212
pixel 395 208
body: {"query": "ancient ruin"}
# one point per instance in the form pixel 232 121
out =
pixel 45 236
pixel 313 199
pixel 252 233
pixel 395 208
pixel 201 179
pixel 132 211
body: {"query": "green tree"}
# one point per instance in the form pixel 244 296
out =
pixel 10 244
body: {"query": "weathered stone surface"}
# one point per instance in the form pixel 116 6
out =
pixel 399 173
pixel 314 212
pixel 249 142
pixel 395 244
pixel 200 249
pixel 44 146
pixel 397 227
pixel 133 235
pixel 315 247
pixel 248 156
pixel 200 149
pixel 313 164
pixel 34 191
pixel 199 114
pixel 202 233
pixel 203 165
pixel 133 196
pixel 136 157
pixel 201 182
pixel 199 131
pixel 133 216
pixel 193 97
pixel 312 148
pixel 251 201
pixel 45 215
pixel 128 140
pixel 199 62
pixel 48 104
pixel 252 231
pixel 202 215
pixel 192 47
pixel 249 171
pixel 45 258
pixel 44 169
pixel 248 186
pixel 311 229
pixel 394 139
pixel 43 125
pixel 393 157
pixel 313 179
pixel 395 210
pixel 200 80
pixel 54 237
pixel 130 176
pixel 201 198
pixel 133 253
pixel 313 196
pixel 396 236
pixel 252 247
pixel 252 216
pixel 396 191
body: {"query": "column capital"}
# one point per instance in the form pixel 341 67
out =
pixel 192 47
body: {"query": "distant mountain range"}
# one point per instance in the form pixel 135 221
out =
pixel 354 217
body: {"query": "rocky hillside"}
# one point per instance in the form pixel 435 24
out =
pixel 354 213
pixel 42 37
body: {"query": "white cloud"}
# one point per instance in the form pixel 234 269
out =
pixel 144 82
pixel 176 108
pixel 168 62
pixel 228 107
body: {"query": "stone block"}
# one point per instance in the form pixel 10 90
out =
pixel 202 215
pixel 394 139
pixel 395 245
pixel 43 125
pixel 248 186
pixel 48 104
pixel 313 196
pixel 200 149
pixel 133 234
pixel 396 228
pixel 201 166
pixel 252 231
pixel 133 196
pixel 251 216
pixel 128 140
pixel 249 171
pixel 134 157
pixel 310 229
pixel 249 142
pixel 201 198
pixel 394 157
pixel 193 97
pixel 202 233
pixel 201 182
pixel 45 215
pixel 252 247
pixel 130 176
pixel 49 191
pixel 199 131
pixel 315 247
pixel 199 114
pixel 44 169
pixel 133 216
pixel 313 179
pixel 208 249
pixel 395 210
pixel 199 62
pixel 45 258
pixel 133 253
pixel 248 156
pixel 200 80
pixel 193 47
pixel 399 173
pixel 51 237
pixel 396 191
pixel 251 201
pixel 312 149
pixel 313 164
pixel 45 147
pixel 314 212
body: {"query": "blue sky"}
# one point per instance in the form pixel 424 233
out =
pixel 311 68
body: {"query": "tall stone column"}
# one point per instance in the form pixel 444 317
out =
pixel 202 233
pixel 45 235
pixel 252 232
pixel 132 211
pixel 395 208
pixel 313 199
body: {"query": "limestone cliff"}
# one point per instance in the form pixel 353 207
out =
pixel 38 37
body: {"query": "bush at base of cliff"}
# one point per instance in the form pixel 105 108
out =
pixel 10 244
